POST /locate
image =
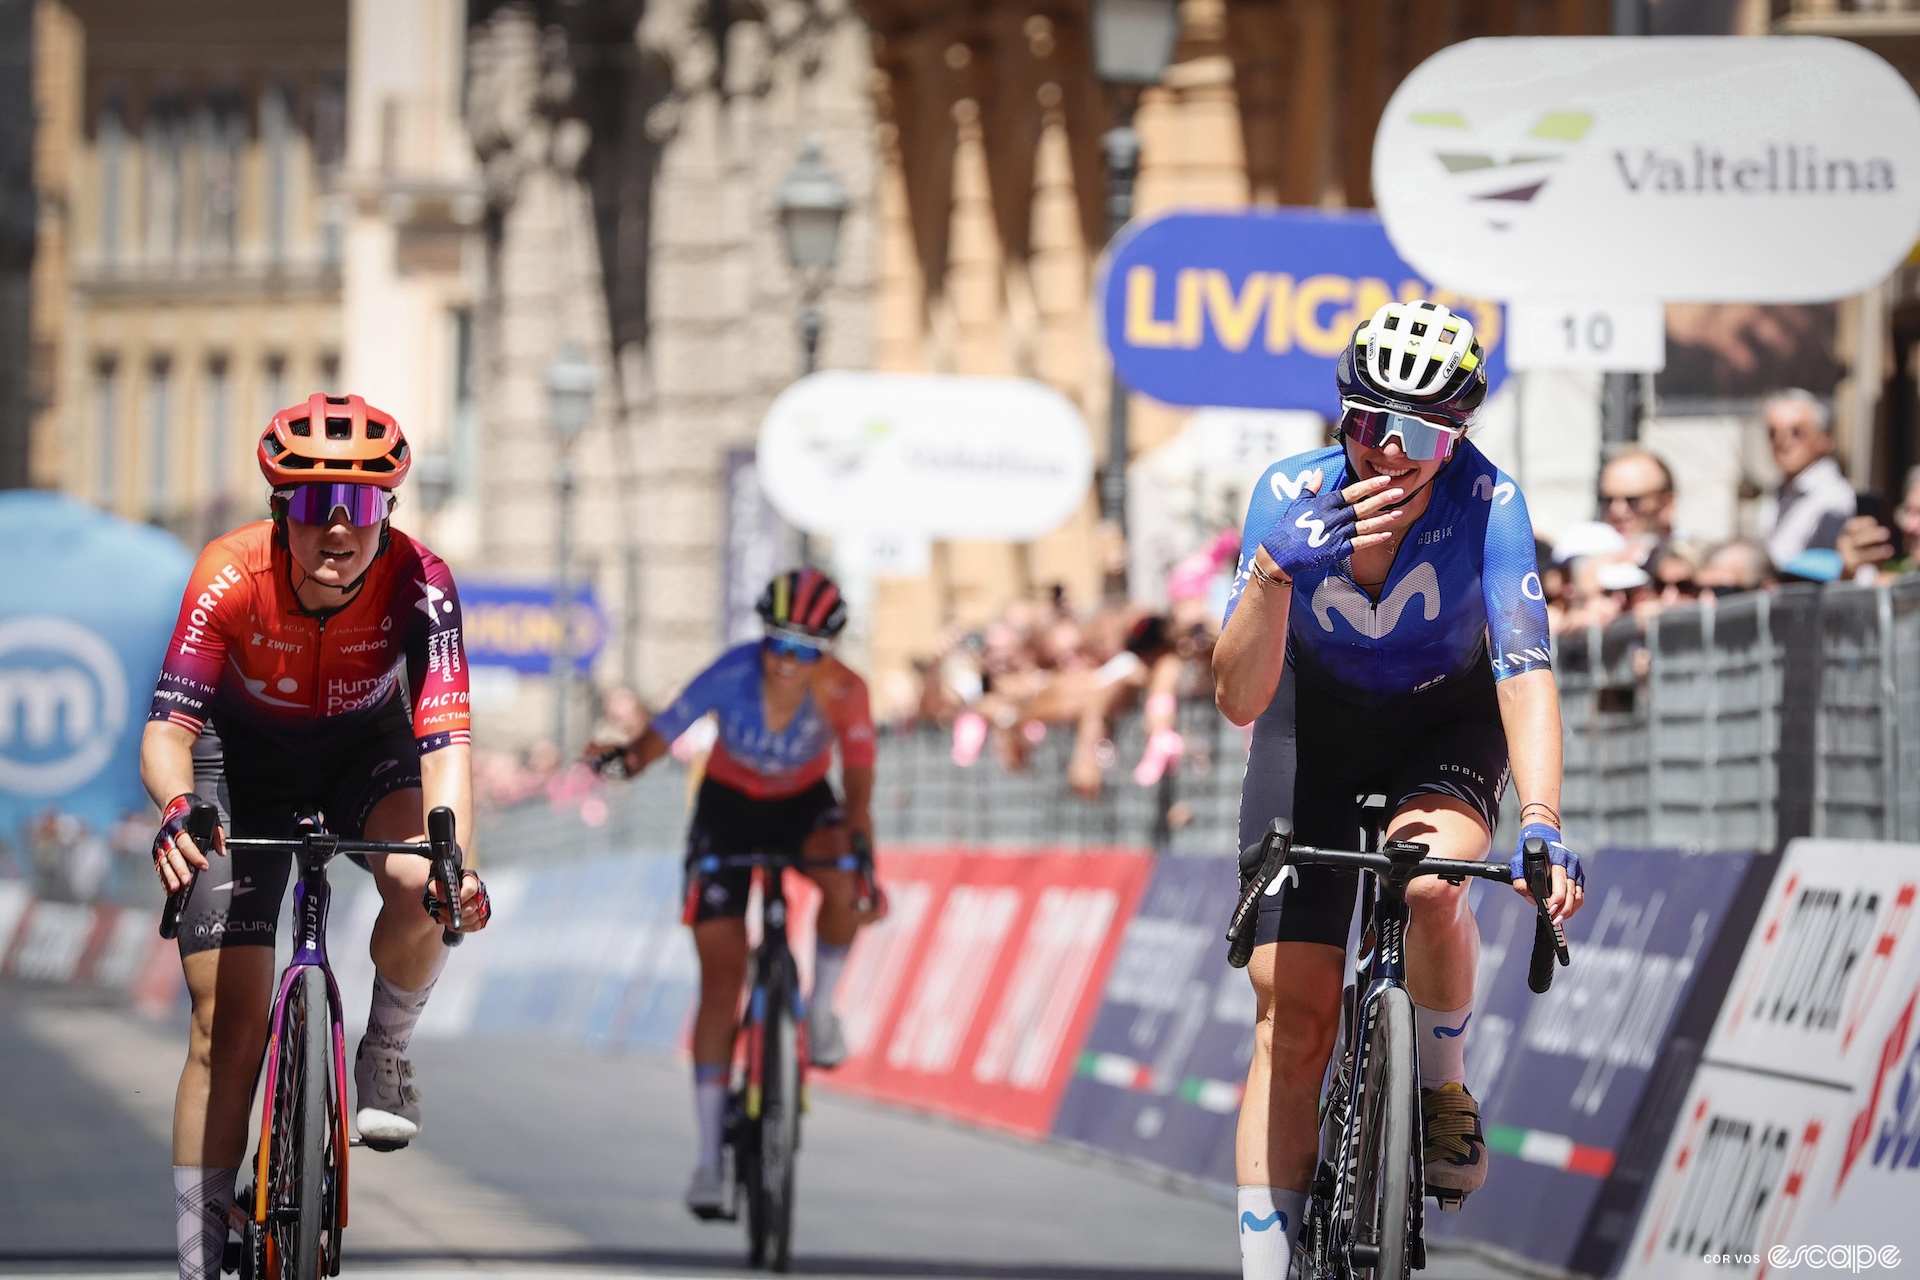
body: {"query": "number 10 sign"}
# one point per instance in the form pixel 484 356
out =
pixel 1623 337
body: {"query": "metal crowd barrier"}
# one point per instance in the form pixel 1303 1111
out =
pixel 1735 726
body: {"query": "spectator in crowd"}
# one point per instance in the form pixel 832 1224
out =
pixel 1814 501
pixel 1735 567
pixel 1636 499
pixel 1906 517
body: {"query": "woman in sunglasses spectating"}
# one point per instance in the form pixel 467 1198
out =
pixel 317 664
pixel 781 704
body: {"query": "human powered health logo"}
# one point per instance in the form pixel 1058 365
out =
pixel 1835 1257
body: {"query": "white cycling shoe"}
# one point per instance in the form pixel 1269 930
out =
pixel 826 1042
pixel 389 1115
pixel 710 1192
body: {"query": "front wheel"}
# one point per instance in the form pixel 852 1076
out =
pixel 1386 1151
pixel 302 1169
pixel 779 1125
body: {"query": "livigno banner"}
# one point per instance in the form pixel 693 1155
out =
pixel 1251 310
pixel 1684 169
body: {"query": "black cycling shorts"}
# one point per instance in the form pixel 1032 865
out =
pixel 1314 753
pixel 730 823
pixel 260 785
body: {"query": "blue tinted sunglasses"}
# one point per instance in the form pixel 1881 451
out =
pixel 799 648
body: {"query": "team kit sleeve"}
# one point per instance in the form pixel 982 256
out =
pixel 1516 604
pixel 1280 486
pixel 853 723
pixel 197 650
pixel 699 697
pixel 437 661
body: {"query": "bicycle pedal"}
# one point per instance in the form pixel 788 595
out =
pixel 230 1257
pixel 378 1144
pixel 1450 1201
pixel 717 1213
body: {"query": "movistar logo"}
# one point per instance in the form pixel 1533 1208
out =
pixel 1289 489
pixel 1453 1032
pixel 1316 529
pixel 1503 180
pixel 1249 1222
pixel 1337 595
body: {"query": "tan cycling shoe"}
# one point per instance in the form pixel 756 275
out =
pixel 1456 1151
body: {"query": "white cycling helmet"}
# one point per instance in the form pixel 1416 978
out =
pixel 1416 357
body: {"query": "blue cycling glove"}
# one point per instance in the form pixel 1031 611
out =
pixel 1314 533
pixel 1557 853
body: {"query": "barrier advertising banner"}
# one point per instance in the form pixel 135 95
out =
pixel 515 624
pixel 1564 1078
pixel 1160 1075
pixel 1679 169
pixel 1252 309
pixel 970 998
pixel 1801 1130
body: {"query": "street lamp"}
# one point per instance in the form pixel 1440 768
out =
pixel 1132 44
pixel 812 202
pixel 570 381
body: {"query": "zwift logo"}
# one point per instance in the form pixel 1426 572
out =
pixel 63 704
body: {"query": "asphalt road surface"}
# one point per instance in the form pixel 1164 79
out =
pixel 547 1159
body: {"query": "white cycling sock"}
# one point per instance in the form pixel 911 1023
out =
pixel 829 962
pixel 201 1198
pixel 395 1010
pixel 1442 1037
pixel 709 1108
pixel 1269 1224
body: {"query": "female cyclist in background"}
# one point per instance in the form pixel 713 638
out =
pixel 781 703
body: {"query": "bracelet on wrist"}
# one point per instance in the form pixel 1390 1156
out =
pixel 1268 579
pixel 1541 805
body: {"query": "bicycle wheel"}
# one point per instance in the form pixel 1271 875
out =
pixel 1382 1213
pixel 301 1155
pixel 779 1122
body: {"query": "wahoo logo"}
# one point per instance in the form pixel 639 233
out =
pixel 1289 490
pixel 1316 529
pixel 1250 1222
pixel 1337 595
pixel 1484 487
pixel 1514 178
pixel 1453 1033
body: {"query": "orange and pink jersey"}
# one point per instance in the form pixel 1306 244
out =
pixel 243 648
pixel 757 761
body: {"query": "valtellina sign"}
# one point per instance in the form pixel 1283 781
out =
pixel 1708 169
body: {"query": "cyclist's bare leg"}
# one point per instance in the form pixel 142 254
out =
pixel 1443 943
pixel 1278 1137
pixel 406 945
pixel 838 920
pixel 722 944
pixel 231 989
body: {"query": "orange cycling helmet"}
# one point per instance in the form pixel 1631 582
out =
pixel 341 439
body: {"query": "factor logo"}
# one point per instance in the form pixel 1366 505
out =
pixel 63 705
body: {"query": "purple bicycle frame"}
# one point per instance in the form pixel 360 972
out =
pixel 310 906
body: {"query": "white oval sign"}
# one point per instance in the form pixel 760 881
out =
pixel 63 703
pixel 997 459
pixel 1681 169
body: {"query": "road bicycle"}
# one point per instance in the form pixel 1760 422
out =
pixel 762 1130
pixel 290 1220
pixel 1365 1214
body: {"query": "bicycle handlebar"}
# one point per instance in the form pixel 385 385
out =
pixel 441 848
pixel 1262 864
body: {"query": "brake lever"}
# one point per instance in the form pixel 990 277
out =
pixel 1259 864
pixel 446 867
pixel 203 824
pixel 1549 942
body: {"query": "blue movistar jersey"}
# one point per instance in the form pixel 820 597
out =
pixel 1465 579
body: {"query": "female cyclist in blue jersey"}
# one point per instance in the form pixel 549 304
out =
pixel 1386 633
pixel 782 703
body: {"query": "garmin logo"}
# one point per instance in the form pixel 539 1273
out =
pixel 1777 169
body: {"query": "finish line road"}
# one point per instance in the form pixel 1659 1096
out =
pixel 546 1160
